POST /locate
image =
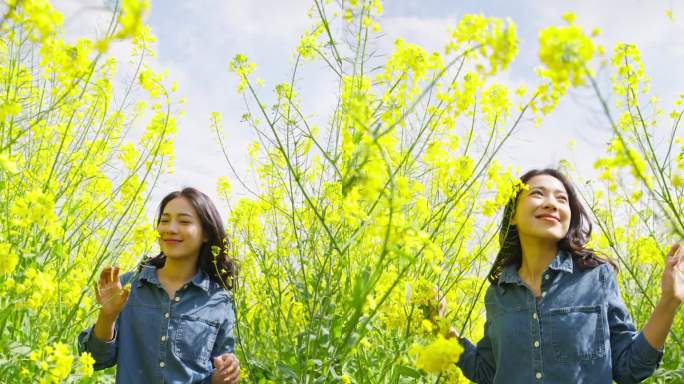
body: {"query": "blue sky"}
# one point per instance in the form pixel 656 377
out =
pixel 197 39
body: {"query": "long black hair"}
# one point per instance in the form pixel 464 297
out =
pixel 213 255
pixel 574 242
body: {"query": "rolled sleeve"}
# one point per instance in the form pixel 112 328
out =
pixel 633 358
pixel 477 361
pixel 103 352
pixel 645 351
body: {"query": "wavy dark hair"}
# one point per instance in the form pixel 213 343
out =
pixel 220 268
pixel 579 231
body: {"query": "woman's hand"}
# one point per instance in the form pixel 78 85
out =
pixel 112 298
pixel 110 294
pixel 672 286
pixel 672 283
pixel 226 369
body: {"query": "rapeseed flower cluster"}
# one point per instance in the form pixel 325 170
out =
pixel 54 362
pixel 492 39
pixel 565 53
pixel 439 355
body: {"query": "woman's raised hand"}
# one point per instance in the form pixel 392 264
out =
pixel 110 294
pixel 672 283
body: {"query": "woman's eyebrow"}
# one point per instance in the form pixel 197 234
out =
pixel 545 189
pixel 180 214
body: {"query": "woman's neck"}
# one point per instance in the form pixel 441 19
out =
pixel 178 271
pixel 536 257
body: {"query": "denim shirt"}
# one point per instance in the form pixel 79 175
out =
pixel 579 331
pixel 162 340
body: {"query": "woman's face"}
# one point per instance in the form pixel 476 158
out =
pixel 542 211
pixel 180 230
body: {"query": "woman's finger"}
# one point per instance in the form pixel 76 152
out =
pixel 672 256
pixel 679 261
pixel 231 377
pixel 231 357
pixel 229 367
pixel 442 307
pixel 115 275
pixel 234 378
pixel 673 250
pixel 104 276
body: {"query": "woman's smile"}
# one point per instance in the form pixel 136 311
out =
pixel 551 218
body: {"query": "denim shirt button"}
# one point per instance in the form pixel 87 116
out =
pixel 547 276
pixel 536 344
pixel 538 375
pixel 534 315
pixel 177 298
pixel 166 315
pixel 161 364
pixel 543 293
pixel 164 338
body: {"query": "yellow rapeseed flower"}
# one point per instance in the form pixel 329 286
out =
pixel 10 259
pixel 86 362
pixel 565 52
pixel 439 355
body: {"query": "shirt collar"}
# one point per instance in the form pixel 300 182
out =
pixel 201 280
pixel 149 273
pixel 562 262
pixel 510 275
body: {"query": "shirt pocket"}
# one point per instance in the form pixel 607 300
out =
pixel 577 333
pixel 194 340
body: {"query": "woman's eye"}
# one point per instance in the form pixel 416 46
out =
pixel 163 221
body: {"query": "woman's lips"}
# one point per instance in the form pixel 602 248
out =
pixel 548 218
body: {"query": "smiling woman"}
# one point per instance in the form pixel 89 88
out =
pixel 554 311
pixel 176 317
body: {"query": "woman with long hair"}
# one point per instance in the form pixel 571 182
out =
pixel 173 322
pixel 554 311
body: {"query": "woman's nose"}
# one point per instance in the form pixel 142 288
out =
pixel 550 203
pixel 170 227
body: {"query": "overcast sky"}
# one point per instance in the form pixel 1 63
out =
pixel 197 39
